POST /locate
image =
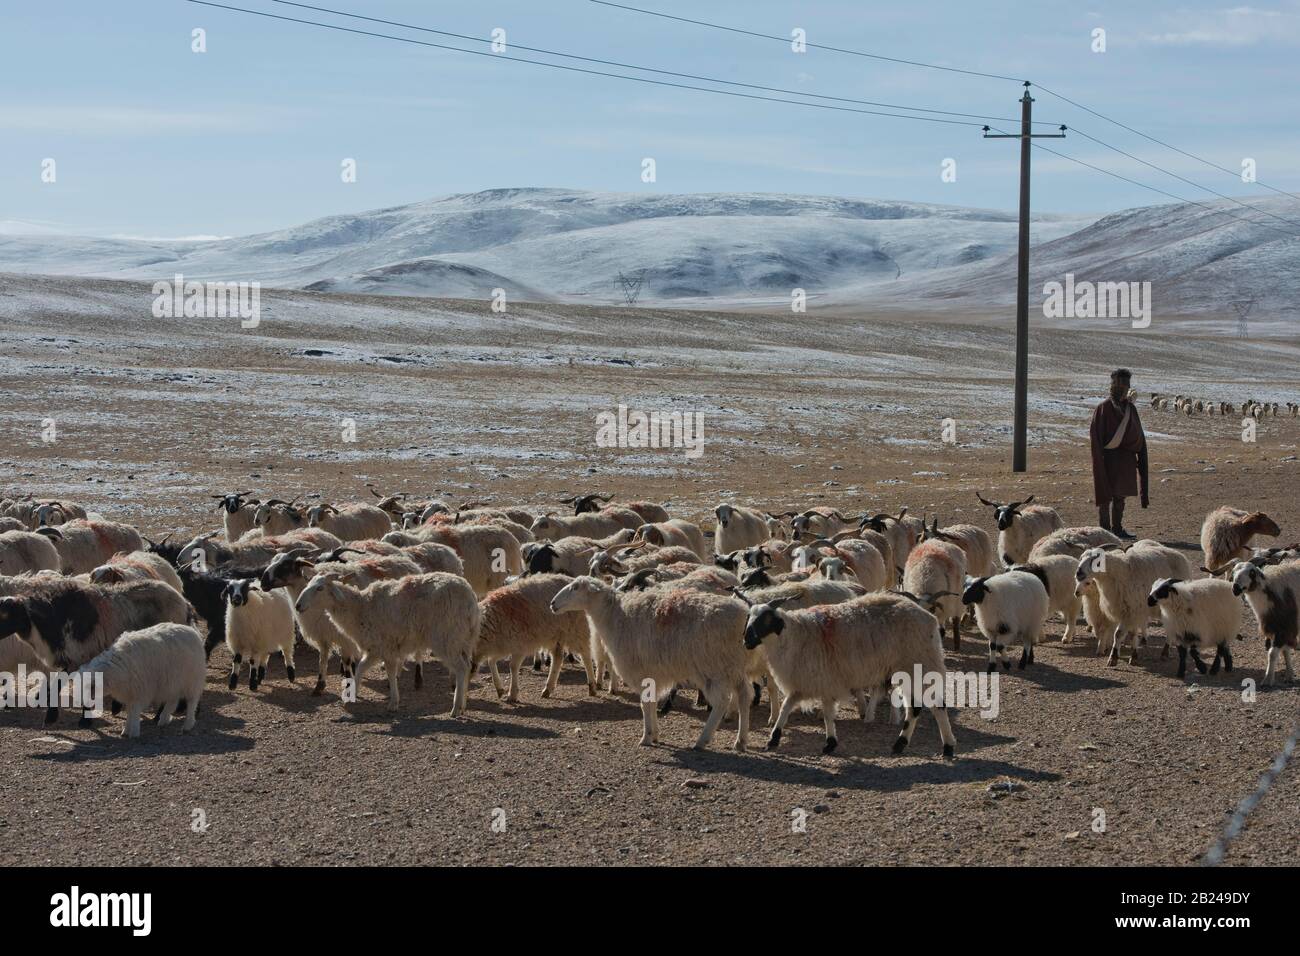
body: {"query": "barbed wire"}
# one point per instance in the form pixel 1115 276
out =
pixel 1214 856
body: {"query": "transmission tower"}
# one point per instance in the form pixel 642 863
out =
pixel 630 285
pixel 1243 307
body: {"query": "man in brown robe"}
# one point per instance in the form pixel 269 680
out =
pixel 1119 454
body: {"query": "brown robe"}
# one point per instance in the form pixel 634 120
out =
pixel 1116 472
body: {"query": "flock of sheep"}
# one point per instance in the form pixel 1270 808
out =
pixel 815 607
pixel 1196 406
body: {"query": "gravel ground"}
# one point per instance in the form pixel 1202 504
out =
pixel 154 415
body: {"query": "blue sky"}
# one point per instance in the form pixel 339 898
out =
pixel 151 139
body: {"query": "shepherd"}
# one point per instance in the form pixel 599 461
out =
pixel 1119 454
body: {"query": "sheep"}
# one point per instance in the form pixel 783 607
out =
pixel 27 551
pixel 877 540
pixel 902 536
pixel 517 620
pixel 390 621
pixel 50 513
pixel 1274 595
pixel 551 527
pixel 738 528
pixel 431 556
pixel 277 517
pixel 294 570
pixel 501 520
pixel 820 522
pixel 676 532
pixel 1072 542
pixel 938 567
pixel 829 652
pixel 161 666
pixel 872 570
pixel 205 591
pixel 489 554
pixel 971 539
pixel 257 624
pixel 569 556
pixel 84 545
pixel 67 622
pixel 630 558
pixel 657 639
pixel 12 524
pixel 1198 615
pixel 1010 606
pixel 353 522
pixel 236 513
pixel 1124 579
pixel 1020 526
pixel 137 566
pixel 1090 596
pixel 251 552
pixel 1227 532
pixel 648 511
pixel 1062 598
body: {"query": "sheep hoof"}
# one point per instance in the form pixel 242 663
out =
pixel 739 746
pixel 948 752
pixel 900 744
pixel 290 673
pixel 1006 666
pixel 319 688
pixel 774 739
pixel 646 741
pixel 116 708
pixel 546 693
pixel 831 744
pixel 234 681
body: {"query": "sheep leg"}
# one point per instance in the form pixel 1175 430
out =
pixel 1182 661
pixel 1071 615
pixel 1113 659
pixel 1270 669
pixel 1290 674
pixel 590 669
pixel 553 675
pixel 787 707
pixel 649 719
pixel 496 676
pixel 393 667
pixel 1218 659
pixel 719 704
pixel 864 711
pixel 1196 659
pixel 1024 656
pixel 828 721
pixel 460 672
pixel 234 671
pixel 742 718
pixel 1227 658
pixel 516 663
pixel 945 732
pixel 132 728
pixel 669 699
pixel 909 725
pixel 956 633
pixel 774 702
pixel 191 710
pixel 419 674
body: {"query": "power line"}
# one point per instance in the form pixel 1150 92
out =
pixel 646 69
pixel 578 69
pixel 817 46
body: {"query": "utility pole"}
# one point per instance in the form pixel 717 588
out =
pixel 1026 135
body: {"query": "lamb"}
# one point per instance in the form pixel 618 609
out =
pixel 1274 595
pixel 829 652
pixel 676 532
pixel 972 540
pixel 1058 570
pixel 67 622
pixel 84 545
pixel 137 566
pixel 27 552
pixel 738 528
pixel 1072 542
pixel 161 666
pixel 257 623
pixel 237 510
pixel 353 522
pixel 517 620
pixel 1227 533
pixel 1124 579
pixel 1198 615
pixel 489 554
pixel 1021 525
pixel 1010 606
pixel 657 639
pixel 934 568
pixel 252 551
pixel 390 621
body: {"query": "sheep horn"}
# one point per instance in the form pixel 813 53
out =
pixel 741 594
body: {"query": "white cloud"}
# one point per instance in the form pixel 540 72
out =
pixel 1231 27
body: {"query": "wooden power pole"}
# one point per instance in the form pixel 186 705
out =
pixel 1026 135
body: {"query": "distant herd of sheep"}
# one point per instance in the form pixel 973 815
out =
pixel 1250 408
pixel 817 607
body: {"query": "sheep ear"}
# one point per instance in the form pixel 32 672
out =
pixel 1027 500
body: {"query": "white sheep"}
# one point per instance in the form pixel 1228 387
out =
pixel 820 522
pixel 658 639
pixel 353 522
pixel 137 566
pixel 1021 525
pixel 237 510
pixel 738 528
pixel 872 569
pixel 1072 542
pixel 431 556
pixel 517 620
pixel 1226 535
pixel 936 572
pixel 1124 579
pixel 84 545
pixel 553 527
pixel 258 623
pixel 27 552
pixel 490 554
pixel 252 551
pixel 1198 615
pixel 830 652
pixel 973 540
pixel 159 666
pixel 276 517
pixel 676 532
pixel 1062 597
pixel 391 621
pixel 1274 595
pixel 1009 607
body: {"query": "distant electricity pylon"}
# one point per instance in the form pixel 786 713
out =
pixel 630 285
pixel 1243 307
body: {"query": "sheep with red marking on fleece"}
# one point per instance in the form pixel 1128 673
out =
pixel 1198 615
pixel 84 545
pixel 1021 525
pixel 1124 579
pixel 658 639
pixel 251 551
pixel 26 552
pixel 1010 607
pixel 973 540
pixel 436 614
pixel 1273 594
pixel 738 527
pixel 137 566
pixel 936 572
pixel 831 652
pixel 627 559
pixel 1226 535
pixel 872 570
pixel 158 666
pixel 490 554
pixel 353 522
pixel 517 620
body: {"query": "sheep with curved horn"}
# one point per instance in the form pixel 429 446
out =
pixel 1021 525
pixel 236 515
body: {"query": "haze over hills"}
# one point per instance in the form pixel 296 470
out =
pixel 719 250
